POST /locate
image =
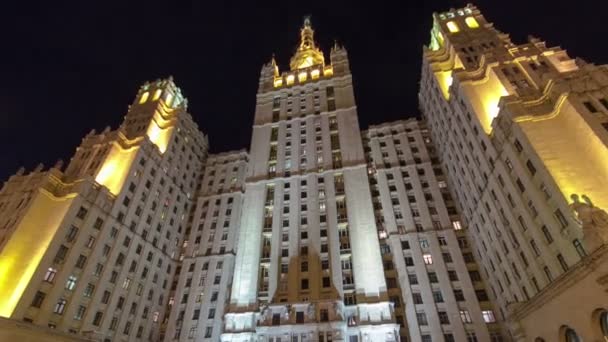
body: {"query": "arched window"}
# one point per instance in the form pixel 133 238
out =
pixel 157 94
pixel 571 335
pixel 604 324
pixel 452 26
pixel 144 97
pixel 471 22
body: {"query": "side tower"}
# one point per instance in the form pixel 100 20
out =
pixel 431 274
pixel 522 132
pixel 308 263
pixel 92 250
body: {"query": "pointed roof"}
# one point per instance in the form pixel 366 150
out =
pixel 307 54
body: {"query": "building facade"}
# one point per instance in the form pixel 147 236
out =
pixel 431 273
pixel 476 223
pixel 308 263
pixel 521 132
pixel 92 250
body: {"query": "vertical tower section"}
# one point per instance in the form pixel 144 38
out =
pixel 432 278
pixel 308 251
pixel 202 282
pixel 520 129
pixel 92 250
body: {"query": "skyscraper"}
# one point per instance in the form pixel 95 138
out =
pixel 481 222
pixel 522 134
pixel 308 263
pixel 92 250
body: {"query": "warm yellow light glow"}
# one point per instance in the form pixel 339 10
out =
pixel 302 77
pixel 572 152
pixel 159 136
pixel 157 94
pixel 290 79
pixel 452 26
pixel 115 168
pixel 306 62
pixel 278 82
pixel 328 71
pixel 484 96
pixel 144 97
pixel 471 22
pixel 315 74
pixel 444 78
pixel 23 252
pixel 168 99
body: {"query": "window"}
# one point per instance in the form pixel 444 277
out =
pixel 60 306
pixel 465 316
pixel 452 27
pixel 82 260
pixel 459 295
pixel 443 317
pixel 88 291
pixel 547 234
pixel 50 274
pixel 488 316
pixel 604 317
pixel 421 317
pixel 70 283
pixel 428 259
pixel 433 277
pixel 38 299
pixel 80 312
pixel 72 233
pixel 61 254
pixel 437 296
pixel 97 318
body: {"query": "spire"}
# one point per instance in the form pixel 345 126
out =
pixel 307 54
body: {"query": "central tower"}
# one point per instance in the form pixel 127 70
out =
pixel 308 265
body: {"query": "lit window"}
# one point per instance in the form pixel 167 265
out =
pixel 488 316
pixel 428 259
pixel 144 97
pixel 278 82
pixel 302 77
pixel 50 275
pixel 157 94
pixel 314 74
pixel 168 99
pixel 452 27
pixel 60 306
pixel 290 79
pixel 328 71
pixel 456 225
pixel 465 316
pixel 70 283
pixel 471 22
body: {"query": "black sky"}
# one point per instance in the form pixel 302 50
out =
pixel 69 67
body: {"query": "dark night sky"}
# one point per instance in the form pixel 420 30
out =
pixel 67 68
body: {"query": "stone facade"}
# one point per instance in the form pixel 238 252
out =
pixel 521 128
pixel 484 221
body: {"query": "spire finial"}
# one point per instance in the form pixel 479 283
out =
pixel 307 54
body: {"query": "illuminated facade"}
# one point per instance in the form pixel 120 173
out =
pixel 92 250
pixel 308 264
pixel 520 129
pixel 202 288
pixel 459 227
pixel 432 278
